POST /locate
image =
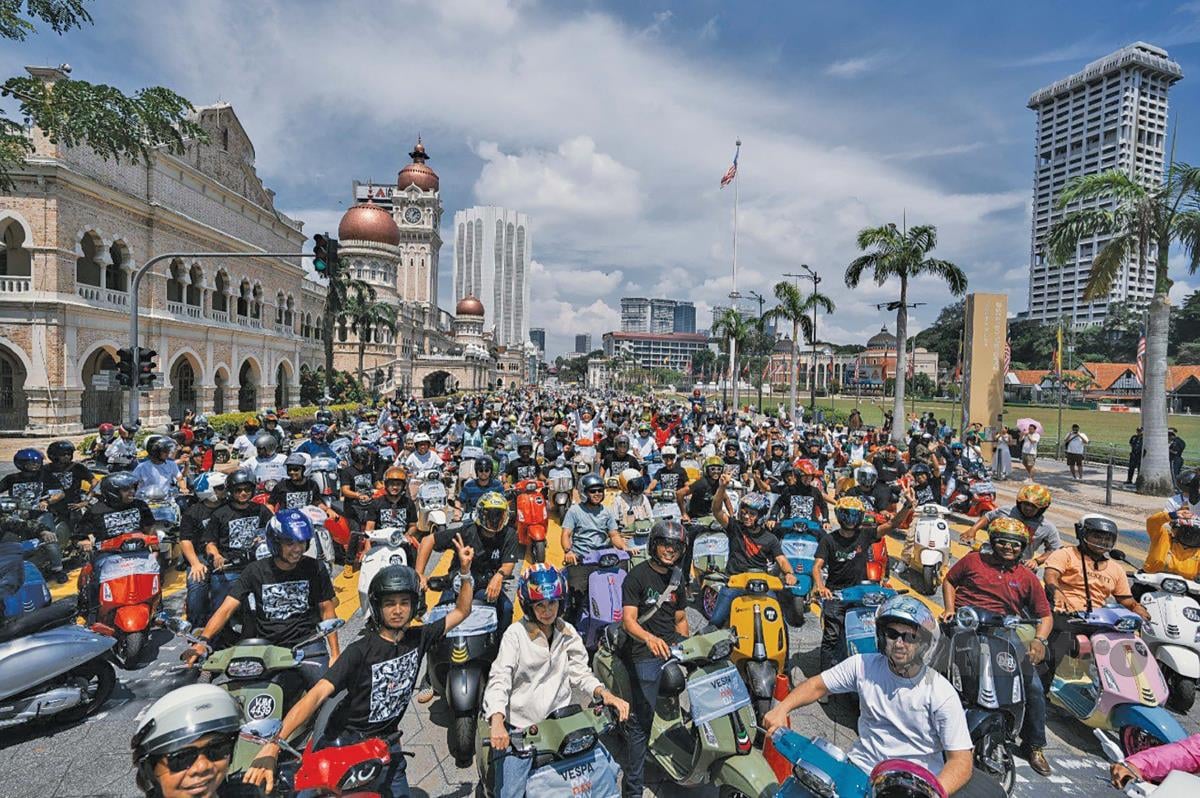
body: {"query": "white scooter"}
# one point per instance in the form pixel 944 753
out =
pixel 431 503
pixel 930 553
pixel 562 482
pixel 321 547
pixel 1173 633
pixel 388 545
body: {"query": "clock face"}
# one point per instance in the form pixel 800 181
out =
pixel 412 214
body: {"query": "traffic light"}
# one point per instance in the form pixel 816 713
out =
pixel 146 367
pixel 125 369
pixel 325 254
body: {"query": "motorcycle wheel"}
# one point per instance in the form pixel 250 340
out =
pixel 993 757
pixel 98 679
pixel 708 600
pixel 929 579
pixel 537 551
pixel 1182 692
pixel 129 647
pixel 460 736
pixel 1135 739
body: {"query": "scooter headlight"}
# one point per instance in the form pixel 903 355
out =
pixel 757 586
pixel 966 618
pixel 361 775
pixel 245 668
pixel 1177 586
pixel 873 599
pixel 815 780
pixel 1192 614
pixel 1130 623
pixel 609 560
pixel 577 742
pixel 720 651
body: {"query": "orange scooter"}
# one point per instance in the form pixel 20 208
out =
pixel 532 518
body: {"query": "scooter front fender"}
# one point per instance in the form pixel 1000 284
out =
pixel 932 557
pixel 750 775
pixel 1155 720
pixel 1184 661
pixel 462 689
pixel 132 618
pixel 981 723
pixel 760 678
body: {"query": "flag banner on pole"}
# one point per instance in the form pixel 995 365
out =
pixel 1139 364
pixel 731 172
pixel 1058 353
pixel 1007 358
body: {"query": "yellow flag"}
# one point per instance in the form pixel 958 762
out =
pixel 1058 352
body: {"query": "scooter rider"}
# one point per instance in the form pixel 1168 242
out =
pixel 210 491
pixel 539 666
pixel 699 494
pixel 654 616
pixel 358 485
pixel 158 472
pixel 631 504
pixel 878 496
pixel 28 484
pixel 284 595
pixel 472 489
pixel 395 507
pixel 524 466
pixel 769 473
pixel 620 458
pixel 424 458
pixel 317 444
pixel 800 496
pixel 117 513
pixel 1174 543
pixel 297 490
pixel 752 545
pixel 1187 500
pixel 184 743
pixel 999 582
pixel 232 530
pixel 908 710
pixel 244 443
pixel 888 465
pixel 69 477
pixel 644 443
pixel 267 463
pixel 378 672
pixel 588 526
pixel 1030 509
pixel 671 476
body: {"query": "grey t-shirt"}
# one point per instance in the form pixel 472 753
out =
pixel 1044 536
pixel 590 526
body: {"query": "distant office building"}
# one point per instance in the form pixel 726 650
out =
pixel 1111 115
pixel 583 343
pixel 656 350
pixel 492 257
pixel 635 314
pixel 641 315
pixel 537 336
pixel 685 318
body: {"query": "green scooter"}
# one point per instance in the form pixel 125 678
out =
pixel 712 740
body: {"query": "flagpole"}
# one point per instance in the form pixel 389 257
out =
pixel 733 293
pixel 1058 363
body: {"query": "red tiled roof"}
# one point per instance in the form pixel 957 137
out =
pixel 1030 376
pixel 1105 374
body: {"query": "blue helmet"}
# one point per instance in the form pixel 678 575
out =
pixel 290 526
pixel 28 460
pixel 317 431
pixel 540 582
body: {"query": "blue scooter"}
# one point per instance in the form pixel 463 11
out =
pixel 34 593
pixel 799 538
pixel 605 575
pixel 819 768
pixel 861 601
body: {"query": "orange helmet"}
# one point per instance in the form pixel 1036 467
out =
pixel 1034 494
pixel 395 473
pixel 807 468
pixel 1010 528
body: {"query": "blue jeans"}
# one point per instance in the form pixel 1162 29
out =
pixel 725 597
pixel 1033 728
pixel 511 774
pixel 196 603
pixel 643 677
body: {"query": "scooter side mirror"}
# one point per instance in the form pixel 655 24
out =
pixel 1118 555
pixel 179 626
pixel 261 731
pixel 330 625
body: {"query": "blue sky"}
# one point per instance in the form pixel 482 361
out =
pixel 611 124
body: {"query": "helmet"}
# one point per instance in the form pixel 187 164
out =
pixel 540 582
pixel 630 481
pixel 325 416
pixel 956 447
pixel 420 438
pixel 666 531
pixel 395 473
pixel 1187 531
pixel 394 579
pixel 251 423
pixel 359 454
pixel 778 445
pixel 241 477
pixel 756 503
pixel 484 464
pixel 669 451
pixel 866 476
pixel 911 611
pixel 296 460
pixel 731 442
pixel 28 460
pixel 106 429
pixel 808 468
pixel 713 462
pixel 672 679
pixel 920 469
pixel 1006 528
pixel 1036 495
pixel 589 482
pixel 177 720
pixel 900 778
pixel 622 440
pixel 288 526
pixel 206 485
pixel 491 511
pixel 523 442
pixel 849 512
pixel 559 429
pixel 1185 482
pixel 113 485
pixel 266 442
pixel 60 449
pixel 318 431
pixel 1099 528
pixel 644 427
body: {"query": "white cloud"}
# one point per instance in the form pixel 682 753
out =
pixel 710 32
pixel 655 28
pixel 852 67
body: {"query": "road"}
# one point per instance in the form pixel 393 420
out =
pixel 92 758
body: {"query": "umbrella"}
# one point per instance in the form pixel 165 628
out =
pixel 1025 423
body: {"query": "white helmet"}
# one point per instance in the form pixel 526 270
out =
pixel 669 450
pixel 420 437
pixel 207 484
pixel 177 720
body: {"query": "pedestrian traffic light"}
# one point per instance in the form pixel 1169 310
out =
pixel 125 367
pixel 325 254
pixel 146 367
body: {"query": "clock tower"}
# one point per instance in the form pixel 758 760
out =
pixel 417 209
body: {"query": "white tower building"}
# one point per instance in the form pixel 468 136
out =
pixel 492 256
pixel 1111 115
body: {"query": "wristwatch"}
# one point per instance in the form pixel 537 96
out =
pixel 1045 643
pixel 467 577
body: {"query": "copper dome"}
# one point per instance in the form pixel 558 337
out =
pixel 369 222
pixel 417 173
pixel 468 306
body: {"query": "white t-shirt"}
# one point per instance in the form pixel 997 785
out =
pixel 1075 442
pixel 1029 444
pixel 416 464
pixel 156 476
pixel 244 445
pixel 1178 502
pixel 916 719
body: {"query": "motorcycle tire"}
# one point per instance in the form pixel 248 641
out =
pixel 929 575
pixel 460 736
pixel 537 551
pixel 129 648
pixel 97 671
pixel 1135 739
pixel 994 758
pixel 708 600
pixel 1182 693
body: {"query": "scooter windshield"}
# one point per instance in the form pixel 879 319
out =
pixel 799 548
pixel 593 773
pixel 716 694
pixel 122 565
pixel 482 620
pixel 711 546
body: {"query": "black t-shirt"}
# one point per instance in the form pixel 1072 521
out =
pixel 234 529
pixel 491 552
pixel 384 512
pixel 672 478
pixel 379 678
pixel 880 497
pixel 735 466
pixel 522 468
pixel 748 553
pixel 801 501
pixel 287 496
pixel 772 470
pixel 700 499
pixel 615 463
pixel 927 493
pixel 642 587
pixel 69 480
pixel 282 606
pixel 105 521
pixel 28 486
pixel 890 472
pixel 194 521
pixel 360 480
pixel 845 559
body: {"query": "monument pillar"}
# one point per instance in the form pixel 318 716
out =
pixel 985 325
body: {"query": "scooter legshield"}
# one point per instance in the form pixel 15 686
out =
pixel 462 689
pixel 1155 720
pixel 760 678
pixel 749 774
pixel 132 617
pixel 1184 661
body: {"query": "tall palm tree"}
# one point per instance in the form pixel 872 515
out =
pixel 366 315
pixel 341 285
pixel 891 252
pixel 1143 221
pixel 801 311
pixel 732 325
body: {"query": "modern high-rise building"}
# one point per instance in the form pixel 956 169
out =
pixel 537 335
pixel 583 343
pixel 1111 115
pixel 685 317
pixel 657 316
pixel 492 257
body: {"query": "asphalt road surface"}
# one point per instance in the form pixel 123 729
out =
pixel 92 758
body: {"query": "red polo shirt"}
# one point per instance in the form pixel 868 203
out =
pixel 1012 591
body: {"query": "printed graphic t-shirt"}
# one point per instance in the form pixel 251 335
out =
pixel 282 606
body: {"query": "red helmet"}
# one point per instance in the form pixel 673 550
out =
pixel 106 428
pixel 899 778
pixel 807 468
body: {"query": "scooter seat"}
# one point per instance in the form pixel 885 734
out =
pixel 56 614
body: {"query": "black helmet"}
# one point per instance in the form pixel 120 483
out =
pixel 243 476
pixel 325 416
pixel 919 469
pixel 265 441
pixel 360 454
pixel 672 679
pixel 484 464
pixel 161 445
pixel 523 442
pixel 60 449
pixel 113 484
pixel 394 579
pixel 1103 530
pixel 588 482
pixel 1187 481
pixel 665 531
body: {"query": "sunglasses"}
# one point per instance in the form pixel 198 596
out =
pixel 215 751
pixel 595 490
pixel 1006 544
pixel 892 633
pixel 243 489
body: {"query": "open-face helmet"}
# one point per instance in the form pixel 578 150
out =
pixel 540 582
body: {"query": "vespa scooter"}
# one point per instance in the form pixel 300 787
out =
pixel 930 552
pixel 532 517
pixel 1173 632
pixel 761 651
pixel 130 591
pixel 799 542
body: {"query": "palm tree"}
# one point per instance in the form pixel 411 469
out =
pixel 801 311
pixel 340 286
pixel 1142 222
pixel 365 315
pixel 891 252
pixel 732 325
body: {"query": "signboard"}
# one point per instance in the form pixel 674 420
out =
pixel 380 195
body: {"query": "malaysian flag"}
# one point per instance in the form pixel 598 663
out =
pixel 1139 364
pixel 731 172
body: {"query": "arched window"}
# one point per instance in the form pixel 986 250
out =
pixel 114 274
pixel 279 308
pixel 243 302
pixel 220 299
pixel 87 265
pixel 288 317
pixel 14 258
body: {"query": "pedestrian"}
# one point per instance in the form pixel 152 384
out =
pixel 1135 455
pixel 855 421
pixel 1175 447
pixel 1029 449
pixel 1075 443
pixel 1002 459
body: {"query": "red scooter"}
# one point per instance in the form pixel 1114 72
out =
pixel 130 591
pixel 532 517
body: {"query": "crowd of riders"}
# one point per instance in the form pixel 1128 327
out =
pixel 255 502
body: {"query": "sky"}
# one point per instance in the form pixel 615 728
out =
pixel 611 124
